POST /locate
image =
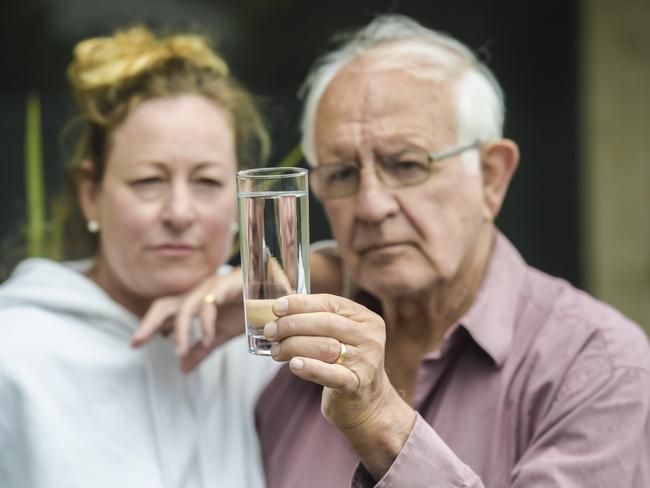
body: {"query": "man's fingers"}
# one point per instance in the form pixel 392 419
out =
pixel 319 324
pixel 334 376
pixel 306 303
pixel 326 349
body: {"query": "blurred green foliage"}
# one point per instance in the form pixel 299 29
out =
pixel 44 231
pixel 34 184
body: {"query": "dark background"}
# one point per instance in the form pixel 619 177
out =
pixel 531 46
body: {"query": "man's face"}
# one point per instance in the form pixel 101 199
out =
pixel 398 241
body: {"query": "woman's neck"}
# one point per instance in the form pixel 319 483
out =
pixel 99 273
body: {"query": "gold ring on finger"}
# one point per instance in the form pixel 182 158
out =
pixel 209 299
pixel 342 354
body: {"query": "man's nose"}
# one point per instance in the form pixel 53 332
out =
pixel 374 201
pixel 179 210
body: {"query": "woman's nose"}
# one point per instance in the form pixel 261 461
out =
pixel 179 210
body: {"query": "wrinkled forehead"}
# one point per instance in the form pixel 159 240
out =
pixel 386 105
pixel 394 76
pixel 420 60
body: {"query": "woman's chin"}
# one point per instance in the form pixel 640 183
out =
pixel 177 285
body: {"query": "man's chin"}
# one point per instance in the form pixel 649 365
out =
pixel 389 285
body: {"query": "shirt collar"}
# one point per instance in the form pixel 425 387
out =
pixel 490 320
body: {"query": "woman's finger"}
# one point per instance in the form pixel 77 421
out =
pixel 227 289
pixel 208 319
pixel 178 312
pixel 155 320
pixel 189 308
pixel 195 355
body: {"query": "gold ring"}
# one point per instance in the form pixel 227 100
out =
pixel 342 354
pixel 209 299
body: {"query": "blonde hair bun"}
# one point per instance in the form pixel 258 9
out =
pixel 102 62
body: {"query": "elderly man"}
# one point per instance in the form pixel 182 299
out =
pixel 477 370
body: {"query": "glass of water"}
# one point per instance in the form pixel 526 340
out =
pixel 274 235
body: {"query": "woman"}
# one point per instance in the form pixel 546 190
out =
pixel 164 129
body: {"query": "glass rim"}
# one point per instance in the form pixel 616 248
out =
pixel 277 172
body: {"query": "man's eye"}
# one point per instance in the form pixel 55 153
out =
pixel 405 168
pixel 341 174
pixel 408 165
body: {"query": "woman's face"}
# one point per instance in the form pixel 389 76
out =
pixel 167 200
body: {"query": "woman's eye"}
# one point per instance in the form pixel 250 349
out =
pixel 152 180
pixel 210 182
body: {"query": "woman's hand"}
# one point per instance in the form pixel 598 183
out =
pixel 216 302
pixel 358 398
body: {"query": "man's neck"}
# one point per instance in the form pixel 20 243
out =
pixel 423 319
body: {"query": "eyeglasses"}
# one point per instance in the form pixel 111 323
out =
pixel 405 168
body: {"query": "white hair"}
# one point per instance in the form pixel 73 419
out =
pixel 398 42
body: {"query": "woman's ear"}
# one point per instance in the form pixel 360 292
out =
pixel 499 161
pixel 88 190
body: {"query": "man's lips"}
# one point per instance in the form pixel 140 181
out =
pixel 365 249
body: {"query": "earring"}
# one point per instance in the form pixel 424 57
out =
pixel 234 227
pixel 92 226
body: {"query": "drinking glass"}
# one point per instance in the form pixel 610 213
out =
pixel 274 234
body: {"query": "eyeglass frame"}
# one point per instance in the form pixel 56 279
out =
pixel 431 158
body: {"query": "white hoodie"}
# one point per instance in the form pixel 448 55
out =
pixel 80 408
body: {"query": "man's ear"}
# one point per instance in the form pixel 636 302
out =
pixel 499 161
pixel 88 187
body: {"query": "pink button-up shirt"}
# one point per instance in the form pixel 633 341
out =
pixel 539 385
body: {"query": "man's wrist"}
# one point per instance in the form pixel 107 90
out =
pixel 380 438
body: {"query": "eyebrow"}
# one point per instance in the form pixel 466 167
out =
pixel 211 164
pixel 195 166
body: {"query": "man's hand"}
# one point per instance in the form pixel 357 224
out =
pixel 358 398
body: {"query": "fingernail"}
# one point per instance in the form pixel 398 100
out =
pixel 296 364
pixel 270 330
pixel 275 350
pixel 280 306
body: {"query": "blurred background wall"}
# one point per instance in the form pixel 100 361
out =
pixel 575 74
pixel 615 168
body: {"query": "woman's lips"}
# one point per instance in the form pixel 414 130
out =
pixel 173 250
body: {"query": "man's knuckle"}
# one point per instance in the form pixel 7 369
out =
pixel 333 348
pixel 286 327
